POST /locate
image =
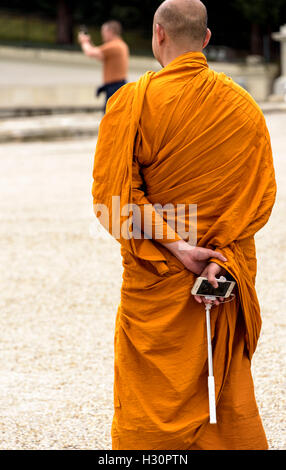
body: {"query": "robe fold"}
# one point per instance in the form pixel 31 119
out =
pixel 185 135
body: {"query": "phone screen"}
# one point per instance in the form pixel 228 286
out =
pixel 207 289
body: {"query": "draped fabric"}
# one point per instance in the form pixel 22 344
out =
pixel 185 135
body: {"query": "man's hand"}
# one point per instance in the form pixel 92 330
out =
pixel 212 271
pixel 88 48
pixel 194 258
pixel 83 38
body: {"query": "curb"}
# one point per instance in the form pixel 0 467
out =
pixel 22 112
pixel 69 126
pixel 281 108
pixel 49 128
pixel 48 134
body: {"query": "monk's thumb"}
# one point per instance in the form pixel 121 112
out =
pixel 212 280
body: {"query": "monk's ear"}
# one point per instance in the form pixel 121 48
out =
pixel 208 38
pixel 160 32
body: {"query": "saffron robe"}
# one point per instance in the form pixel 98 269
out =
pixel 185 135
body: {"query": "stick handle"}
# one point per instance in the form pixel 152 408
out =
pixel 210 353
pixel 212 405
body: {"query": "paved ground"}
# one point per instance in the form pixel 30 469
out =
pixel 59 293
pixel 49 127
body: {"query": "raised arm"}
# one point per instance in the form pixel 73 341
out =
pixel 88 48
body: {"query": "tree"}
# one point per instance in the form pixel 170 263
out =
pixel 239 24
pixel 64 22
pixel 261 14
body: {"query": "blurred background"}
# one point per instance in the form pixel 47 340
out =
pixel 43 69
pixel 239 26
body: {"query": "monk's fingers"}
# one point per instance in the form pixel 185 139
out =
pixel 211 278
pixel 217 255
pixel 198 299
pixel 204 301
pixel 212 302
pixel 216 302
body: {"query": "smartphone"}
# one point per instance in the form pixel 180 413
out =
pixel 83 29
pixel 203 287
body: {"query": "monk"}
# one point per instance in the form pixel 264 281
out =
pixel 184 136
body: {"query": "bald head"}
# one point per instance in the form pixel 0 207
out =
pixel 113 26
pixel 185 21
pixel 111 30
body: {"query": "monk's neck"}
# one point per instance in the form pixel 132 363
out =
pixel 171 55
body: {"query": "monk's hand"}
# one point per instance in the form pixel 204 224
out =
pixel 211 272
pixel 194 258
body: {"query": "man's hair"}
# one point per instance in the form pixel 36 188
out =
pixel 190 21
pixel 114 26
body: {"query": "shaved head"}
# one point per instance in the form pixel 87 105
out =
pixel 183 20
pixel 113 26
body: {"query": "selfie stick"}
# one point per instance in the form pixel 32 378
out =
pixel 211 381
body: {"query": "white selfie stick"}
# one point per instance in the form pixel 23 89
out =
pixel 211 381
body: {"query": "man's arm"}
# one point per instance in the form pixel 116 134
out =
pixel 88 48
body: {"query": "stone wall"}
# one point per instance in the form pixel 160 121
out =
pixel 44 77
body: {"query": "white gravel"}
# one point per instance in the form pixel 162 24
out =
pixel 59 293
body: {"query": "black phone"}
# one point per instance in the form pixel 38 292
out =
pixel 202 287
pixel 83 29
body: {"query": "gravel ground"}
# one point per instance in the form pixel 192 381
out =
pixel 60 289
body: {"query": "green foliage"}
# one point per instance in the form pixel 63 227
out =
pixel 230 21
pixel 27 29
pixel 261 12
pixel 133 14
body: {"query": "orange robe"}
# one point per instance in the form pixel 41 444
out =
pixel 186 135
